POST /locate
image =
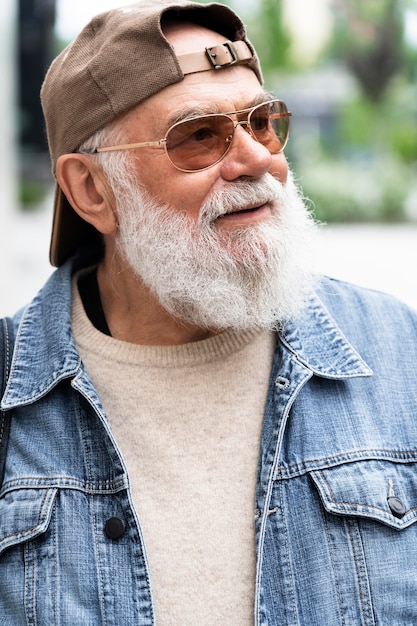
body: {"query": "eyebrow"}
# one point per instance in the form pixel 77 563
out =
pixel 211 109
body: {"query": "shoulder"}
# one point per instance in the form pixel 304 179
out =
pixel 369 315
pixel 341 297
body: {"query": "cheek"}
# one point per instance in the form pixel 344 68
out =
pixel 188 197
pixel 181 191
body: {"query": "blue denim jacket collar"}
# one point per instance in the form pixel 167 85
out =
pixel 318 343
pixel 46 353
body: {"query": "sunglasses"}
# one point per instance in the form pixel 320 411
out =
pixel 198 143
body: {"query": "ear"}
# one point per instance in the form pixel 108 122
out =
pixel 87 190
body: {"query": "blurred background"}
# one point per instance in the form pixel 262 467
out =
pixel 347 70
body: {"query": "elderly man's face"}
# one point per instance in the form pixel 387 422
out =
pixel 212 91
pixel 225 247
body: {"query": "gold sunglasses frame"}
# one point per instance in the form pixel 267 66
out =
pixel 162 143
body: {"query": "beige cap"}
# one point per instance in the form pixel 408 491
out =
pixel 119 59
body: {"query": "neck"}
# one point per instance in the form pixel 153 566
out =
pixel 134 314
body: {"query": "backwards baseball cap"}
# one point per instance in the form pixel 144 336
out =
pixel 120 59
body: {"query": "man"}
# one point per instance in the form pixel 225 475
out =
pixel 202 432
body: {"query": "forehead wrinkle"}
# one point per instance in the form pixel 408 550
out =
pixel 181 115
pixel 211 108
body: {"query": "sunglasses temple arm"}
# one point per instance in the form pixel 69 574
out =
pixel 131 146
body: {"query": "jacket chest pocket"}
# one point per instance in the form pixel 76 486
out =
pixel 25 514
pixel 369 514
pixel 60 564
pixel 381 491
pixel 48 573
pixel 340 546
pixel 26 553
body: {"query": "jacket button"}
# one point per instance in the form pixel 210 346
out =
pixel 396 506
pixel 114 528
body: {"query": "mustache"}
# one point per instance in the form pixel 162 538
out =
pixel 240 195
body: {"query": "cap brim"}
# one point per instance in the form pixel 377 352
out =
pixel 69 231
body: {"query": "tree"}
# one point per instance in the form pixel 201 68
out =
pixel 370 39
pixel 267 32
pixel 272 38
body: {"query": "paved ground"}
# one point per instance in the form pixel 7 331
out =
pixel 383 257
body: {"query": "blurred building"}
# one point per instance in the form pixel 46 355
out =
pixel 35 51
pixel 8 14
pixel 36 20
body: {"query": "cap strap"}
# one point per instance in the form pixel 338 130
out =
pixel 215 58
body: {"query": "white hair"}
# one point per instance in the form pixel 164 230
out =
pixel 115 164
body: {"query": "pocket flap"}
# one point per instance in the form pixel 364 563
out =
pixel 368 488
pixel 24 514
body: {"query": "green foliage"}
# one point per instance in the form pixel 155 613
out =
pixel 268 33
pixel 31 193
pixel 365 170
pixel 270 36
pixel 353 192
pixel 357 124
pixel 389 127
pixel 404 142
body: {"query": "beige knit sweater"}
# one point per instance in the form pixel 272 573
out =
pixel 188 422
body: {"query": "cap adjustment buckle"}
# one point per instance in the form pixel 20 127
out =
pixel 216 57
pixel 223 55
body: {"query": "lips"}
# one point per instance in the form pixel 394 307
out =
pixel 251 209
pixel 246 215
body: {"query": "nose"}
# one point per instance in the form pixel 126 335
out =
pixel 246 156
pixel 245 125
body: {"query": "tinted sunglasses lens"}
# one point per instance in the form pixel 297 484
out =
pixel 200 142
pixel 270 123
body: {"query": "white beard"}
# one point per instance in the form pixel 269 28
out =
pixel 256 277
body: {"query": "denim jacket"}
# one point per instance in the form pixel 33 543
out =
pixel 336 505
